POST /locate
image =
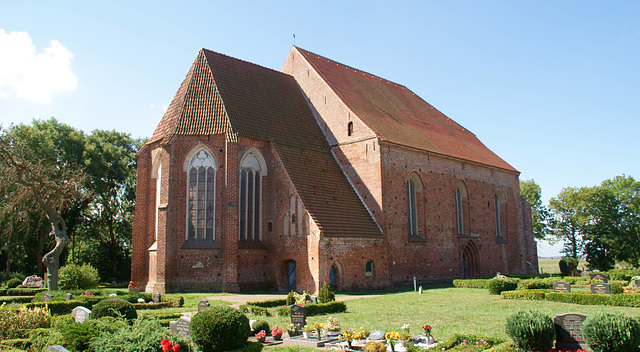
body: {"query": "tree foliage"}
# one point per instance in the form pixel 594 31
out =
pixel 532 193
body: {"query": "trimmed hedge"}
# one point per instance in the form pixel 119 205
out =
pixel 326 308
pixel 470 283
pixel 142 306
pixel 620 300
pixel 498 284
pixel 174 302
pixel 269 303
pixel 58 308
pixel 24 291
pixel 256 310
pixel 16 299
pixel 537 294
pixel 537 283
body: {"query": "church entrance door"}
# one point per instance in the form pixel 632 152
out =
pixel 292 275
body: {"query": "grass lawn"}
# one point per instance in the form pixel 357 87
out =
pixel 447 310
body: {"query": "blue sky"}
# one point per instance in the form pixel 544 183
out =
pixel 550 86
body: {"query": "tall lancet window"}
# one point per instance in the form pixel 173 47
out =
pixel 202 196
pixel 250 217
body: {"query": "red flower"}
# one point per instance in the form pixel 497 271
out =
pixel 164 341
pixel 176 348
pixel 167 347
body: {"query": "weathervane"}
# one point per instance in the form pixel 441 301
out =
pixel 294 39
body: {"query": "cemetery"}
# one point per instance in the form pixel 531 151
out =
pixel 496 314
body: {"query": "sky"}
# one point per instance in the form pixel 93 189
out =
pixel 553 87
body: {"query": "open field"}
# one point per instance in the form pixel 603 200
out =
pixel 550 265
pixel 448 310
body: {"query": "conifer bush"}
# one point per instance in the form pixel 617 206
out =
pixel 291 298
pixel 326 294
pixel 114 307
pixel 568 265
pixel 611 332
pixel 531 331
pixel 219 328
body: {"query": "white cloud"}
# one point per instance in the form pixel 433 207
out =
pixel 34 75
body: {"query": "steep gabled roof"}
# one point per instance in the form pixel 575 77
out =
pixel 399 116
pixel 224 95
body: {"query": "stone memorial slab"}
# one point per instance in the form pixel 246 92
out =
pixel 46 297
pixel 173 326
pixel 636 285
pixel 182 326
pixel 68 296
pixel 203 304
pixel 561 287
pixel 33 281
pixel 80 314
pixel 298 316
pixel 57 348
pixel 600 276
pixel 314 299
pixel 420 290
pixel 377 335
pixel 157 298
pixel 584 274
pixel 568 334
pixel 601 289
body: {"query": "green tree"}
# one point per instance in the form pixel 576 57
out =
pixel 568 209
pixel 532 193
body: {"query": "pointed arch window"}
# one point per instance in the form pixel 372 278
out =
pixel 412 211
pixel 499 209
pixel 250 217
pixel 350 128
pixel 461 193
pixel 201 186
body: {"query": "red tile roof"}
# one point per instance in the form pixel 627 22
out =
pixel 222 94
pixel 399 116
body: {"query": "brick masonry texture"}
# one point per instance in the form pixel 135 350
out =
pixel 376 168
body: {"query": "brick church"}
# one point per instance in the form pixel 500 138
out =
pixel 259 179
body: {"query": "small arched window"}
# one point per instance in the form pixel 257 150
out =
pixel 461 193
pixel 412 211
pixel 368 269
pixel 499 209
pixel 201 185
pixel 350 129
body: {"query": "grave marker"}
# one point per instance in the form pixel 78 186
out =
pixel 600 276
pixel 377 335
pixel 568 334
pixel 46 297
pixel 80 314
pixel 57 348
pixel 584 273
pixel 32 281
pixel 298 316
pixel 203 304
pixel 561 287
pixel 182 326
pixel 636 285
pixel 68 296
pixel 157 298
pixel 601 289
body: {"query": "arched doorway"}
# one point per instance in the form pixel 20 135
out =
pixel 291 285
pixel 334 276
pixel 470 261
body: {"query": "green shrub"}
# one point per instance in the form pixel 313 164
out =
pixel 40 338
pixel 253 347
pixel 255 310
pixel 568 265
pixel 531 331
pixel 219 328
pixel 150 306
pixel 13 283
pixel 573 280
pixel 25 291
pixel 470 283
pixel 13 324
pixel 76 336
pixel 15 299
pixel 605 332
pixel 14 345
pixel 174 301
pixel 326 308
pixel 525 294
pixel 283 311
pixel 291 298
pixel 625 300
pixel 270 303
pixel 73 277
pixel 457 339
pixel 326 294
pixel 260 325
pixel 114 307
pixel 56 308
pixel 116 335
pixel 498 284
pixel 622 274
pixel 3 291
pixel 537 283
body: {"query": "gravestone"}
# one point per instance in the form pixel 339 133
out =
pixel 561 287
pixel 600 276
pixel 173 326
pixel 584 273
pixel 182 326
pixel 46 297
pixel 568 334
pixel 298 316
pixel 32 281
pixel 57 348
pixel 601 289
pixel 203 304
pixel 314 299
pixel 377 335
pixel 420 290
pixel 81 314
pixel 68 296
pixel 636 285
pixel 157 298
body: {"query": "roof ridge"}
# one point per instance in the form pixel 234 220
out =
pixel 243 61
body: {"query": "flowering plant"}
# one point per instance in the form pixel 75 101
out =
pixel 351 335
pixel 167 346
pixel 87 294
pixel 318 327
pixel 141 300
pixel 261 334
pixel 392 338
pixel 333 324
pixel 308 328
pixel 427 329
pixel 276 331
pixel 291 327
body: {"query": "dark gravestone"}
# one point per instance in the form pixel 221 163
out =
pixel 599 276
pixel 157 298
pixel 80 314
pixel 68 296
pixel 298 316
pixel 568 334
pixel 203 304
pixel 561 287
pixel 601 289
pixel 182 326
pixel 46 297
pixel 377 335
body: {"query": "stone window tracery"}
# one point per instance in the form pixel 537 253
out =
pixel 250 217
pixel 201 187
